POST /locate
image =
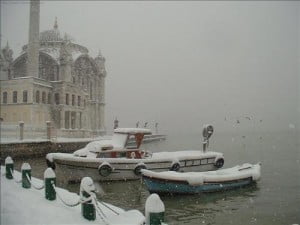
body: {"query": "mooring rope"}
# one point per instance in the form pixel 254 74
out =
pixel 104 204
pixel 99 211
pixel 12 173
pixel 67 204
pixel 37 188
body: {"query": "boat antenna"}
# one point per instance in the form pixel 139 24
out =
pixel 207 132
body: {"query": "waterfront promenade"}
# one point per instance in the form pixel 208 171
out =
pixel 29 206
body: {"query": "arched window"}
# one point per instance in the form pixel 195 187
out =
pixel 4 99
pixel 49 98
pixel 67 99
pixel 79 100
pixel 44 97
pixel 56 73
pixel 25 96
pixel 37 96
pixel 15 97
pixel 73 100
pixel 56 97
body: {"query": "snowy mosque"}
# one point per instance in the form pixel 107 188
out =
pixel 53 79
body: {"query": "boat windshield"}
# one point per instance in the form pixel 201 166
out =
pixel 119 140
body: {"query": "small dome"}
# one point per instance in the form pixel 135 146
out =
pixel 50 36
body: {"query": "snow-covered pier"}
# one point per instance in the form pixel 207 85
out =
pixel 27 200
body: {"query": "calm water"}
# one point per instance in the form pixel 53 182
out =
pixel 274 200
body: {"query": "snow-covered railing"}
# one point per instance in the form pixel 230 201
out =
pixel 22 131
pixel 90 205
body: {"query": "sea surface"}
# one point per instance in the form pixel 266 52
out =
pixel 275 199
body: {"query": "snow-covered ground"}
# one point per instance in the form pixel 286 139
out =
pixel 20 206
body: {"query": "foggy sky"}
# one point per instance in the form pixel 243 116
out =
pixel 183 64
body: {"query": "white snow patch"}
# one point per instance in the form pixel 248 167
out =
pixel 29 206
pixel 154 205
pixel 49 173
pixel 26 166
pixel 156 157
pixel 87 184
pixel 198 178
pixel 132 130
pixel 8 160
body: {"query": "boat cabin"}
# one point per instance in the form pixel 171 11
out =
pixel 118 146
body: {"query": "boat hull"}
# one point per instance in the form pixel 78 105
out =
pixel 197 182
pixel 75 172
pixel 73 168
pixel 169 187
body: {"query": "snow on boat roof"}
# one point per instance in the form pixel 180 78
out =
pixel 132 131
pixel 156 157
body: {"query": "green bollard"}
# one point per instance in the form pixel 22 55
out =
pixel 26 171
pixel 154 210
pixel 87 208
pixel 49 179
pixel 9 167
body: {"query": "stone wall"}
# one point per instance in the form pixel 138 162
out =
pixel 37 149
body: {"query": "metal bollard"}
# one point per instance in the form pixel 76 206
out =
pixel 154 210
pixel 9 167
pixel 26 172
pixel 87 208
pixel 49 179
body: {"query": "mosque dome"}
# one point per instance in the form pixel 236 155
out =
pixel 52 35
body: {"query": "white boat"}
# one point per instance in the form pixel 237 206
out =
pixel 170 182
pixel 112 160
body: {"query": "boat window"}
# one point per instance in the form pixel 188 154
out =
pixel 211 160
pixel 189 163
pixel 103 155
pixel 119 140
pixel 197 162
pixel 203 161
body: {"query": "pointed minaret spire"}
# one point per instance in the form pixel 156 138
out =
pixel 7 45
pixel 99 53
pixel 55 23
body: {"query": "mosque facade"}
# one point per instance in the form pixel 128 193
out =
pixel 53 79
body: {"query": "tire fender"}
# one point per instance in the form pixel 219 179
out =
pixel 175 166
pixel 105 169
pixel 137 169
pixel 219 162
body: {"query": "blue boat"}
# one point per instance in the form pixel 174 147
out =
pixel 171 182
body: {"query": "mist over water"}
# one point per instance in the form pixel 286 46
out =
pixel 273 200
pixel 183 64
